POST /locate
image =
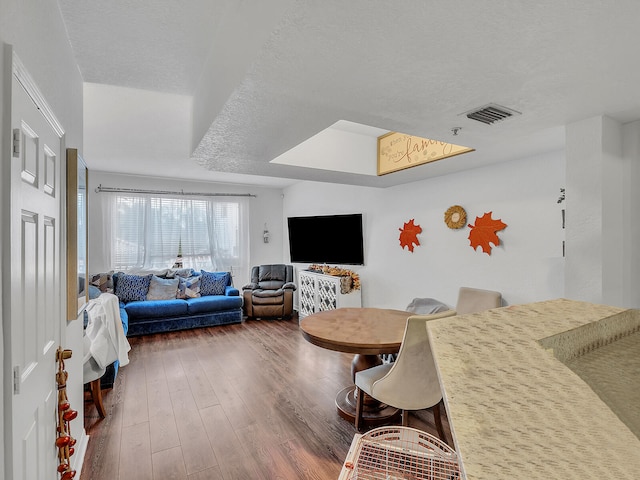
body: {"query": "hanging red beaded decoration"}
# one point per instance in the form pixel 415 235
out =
pixel 64 442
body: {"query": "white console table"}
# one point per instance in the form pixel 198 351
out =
pixel 318 292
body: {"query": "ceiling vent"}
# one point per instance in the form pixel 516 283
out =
pixel 491 113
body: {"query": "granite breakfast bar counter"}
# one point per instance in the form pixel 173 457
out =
pixel 516 409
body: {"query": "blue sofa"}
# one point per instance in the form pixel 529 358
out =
pixel 141 317
pixel 144 316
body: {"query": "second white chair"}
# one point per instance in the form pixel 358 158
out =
pixel 409 383
pixel 472 300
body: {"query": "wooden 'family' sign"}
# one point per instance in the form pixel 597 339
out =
pixel 397 151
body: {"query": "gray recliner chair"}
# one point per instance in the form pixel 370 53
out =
pixel 270 293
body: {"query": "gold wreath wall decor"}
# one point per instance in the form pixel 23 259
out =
pixel 455 217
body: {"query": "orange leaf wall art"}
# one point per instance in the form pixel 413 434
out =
pixel 484 233
pixel 409 235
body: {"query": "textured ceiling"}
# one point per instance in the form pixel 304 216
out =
pixel 278 77
pixel 149 45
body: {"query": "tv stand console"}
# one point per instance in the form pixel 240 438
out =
pixel 318 292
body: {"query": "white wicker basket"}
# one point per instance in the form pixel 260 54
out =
pixel 399 453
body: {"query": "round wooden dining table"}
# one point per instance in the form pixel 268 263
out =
pixel 367 333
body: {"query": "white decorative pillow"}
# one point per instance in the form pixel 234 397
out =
pixel 162 289
pixel 189 287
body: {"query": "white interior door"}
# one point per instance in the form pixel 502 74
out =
pixel 34 305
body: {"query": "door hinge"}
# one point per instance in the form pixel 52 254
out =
pixel 16 380
pixel 16 142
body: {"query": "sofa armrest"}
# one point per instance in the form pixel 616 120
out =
pixel 231 291
pixel 289 285
pixel 250 286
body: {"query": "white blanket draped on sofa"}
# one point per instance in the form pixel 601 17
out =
pixel 104 339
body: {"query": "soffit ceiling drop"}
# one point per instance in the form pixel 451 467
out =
pixel 296 77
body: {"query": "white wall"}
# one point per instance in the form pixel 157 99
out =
pixel 161 122
pixel 266 207
pixel 603 171
pixel 631 153
pixel 584 210
pixel 527 266
pixel 37 34
pixel 613 252
pixel 5 120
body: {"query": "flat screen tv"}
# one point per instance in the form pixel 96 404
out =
pixel 327 239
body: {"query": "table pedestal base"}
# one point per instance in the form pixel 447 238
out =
pixel 373 413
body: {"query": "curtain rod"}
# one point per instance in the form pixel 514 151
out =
pixel 100 189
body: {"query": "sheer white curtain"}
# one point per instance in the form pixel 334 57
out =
pixel 146 232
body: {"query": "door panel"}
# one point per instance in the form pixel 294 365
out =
pixel 30 143
pixel 49 275
pixel 28 356
pixel 30 444
pixel 35 309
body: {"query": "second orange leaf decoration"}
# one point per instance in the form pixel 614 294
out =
pixel 484 233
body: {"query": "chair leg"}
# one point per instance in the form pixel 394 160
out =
pixel 438 420
pixel 359 405
pixel 96 395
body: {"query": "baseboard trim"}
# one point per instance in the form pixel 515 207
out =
pixel 81 450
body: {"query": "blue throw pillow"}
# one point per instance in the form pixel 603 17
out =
pixel 213 283
pixel 130 288
pixel 94 292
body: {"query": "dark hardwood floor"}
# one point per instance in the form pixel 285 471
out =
pixel 247 401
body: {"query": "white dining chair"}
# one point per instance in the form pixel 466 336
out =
pixel 472 300
pixel 409 383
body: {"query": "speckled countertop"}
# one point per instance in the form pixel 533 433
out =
pixel 516 410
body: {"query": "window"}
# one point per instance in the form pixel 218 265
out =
pixel 147 232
